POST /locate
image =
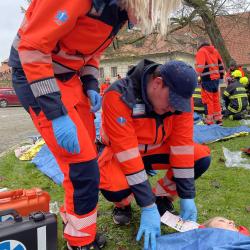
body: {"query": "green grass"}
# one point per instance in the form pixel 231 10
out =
pixel 221 191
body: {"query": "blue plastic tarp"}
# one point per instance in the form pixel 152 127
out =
pixel 204 239
pixel 211 133
pixel 46 163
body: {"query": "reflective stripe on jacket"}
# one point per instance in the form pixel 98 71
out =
pixel 209 64
pixel 198 105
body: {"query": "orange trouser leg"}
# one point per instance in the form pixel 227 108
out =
pixel 113 182
pixel 208 101
pixel 217 107
pixel 166 186
pixel 81 174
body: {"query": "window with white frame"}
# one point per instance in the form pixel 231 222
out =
pixel 113 71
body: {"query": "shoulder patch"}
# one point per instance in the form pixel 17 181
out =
pixel 61 17
pixel 121 120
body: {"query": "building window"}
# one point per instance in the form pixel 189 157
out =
pixel 130 67
pixel 113 71
pixel 101 72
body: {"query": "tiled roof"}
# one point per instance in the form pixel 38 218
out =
pixel 235 30
pixel 236 33
pixel 152 44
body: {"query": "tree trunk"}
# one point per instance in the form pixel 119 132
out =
pixel 216 38
pixel 211 28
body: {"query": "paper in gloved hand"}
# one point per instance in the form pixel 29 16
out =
pixel 178 223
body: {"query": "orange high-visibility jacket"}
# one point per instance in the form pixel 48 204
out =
pixel 209 63
pixel 58 37
pixel 130 126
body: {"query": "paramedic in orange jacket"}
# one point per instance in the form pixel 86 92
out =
pixel 148 124
pixel 55 59
pixel 209 67
pixel 104 86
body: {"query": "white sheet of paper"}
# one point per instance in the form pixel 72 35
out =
pixel 177 223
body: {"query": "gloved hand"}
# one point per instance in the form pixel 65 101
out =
pixel 150 226
pixel 188 209
pixel 66 134
pixel 95 99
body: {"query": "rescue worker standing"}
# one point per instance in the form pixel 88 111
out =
pixel 235 97
pixel 104 86
pixel 54 59
pixel 209 67
pixel 147 123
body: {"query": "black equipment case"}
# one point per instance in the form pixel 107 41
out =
pixel 36 232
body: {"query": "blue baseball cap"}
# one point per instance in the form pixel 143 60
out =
pixel 181 79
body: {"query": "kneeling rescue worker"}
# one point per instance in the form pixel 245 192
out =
pixel 235 98
pixel 148 124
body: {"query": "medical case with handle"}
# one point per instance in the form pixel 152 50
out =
pixel 38 231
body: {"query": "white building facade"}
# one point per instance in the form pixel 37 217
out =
pixel 112 67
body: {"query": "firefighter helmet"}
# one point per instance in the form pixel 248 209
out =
pixel 244 81
pixel 236 74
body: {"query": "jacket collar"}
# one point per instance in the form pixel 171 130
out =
pixel 99 4
pixel 137 79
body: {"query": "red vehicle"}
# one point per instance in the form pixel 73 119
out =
pixel 8 97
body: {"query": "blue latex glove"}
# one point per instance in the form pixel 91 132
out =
pixel 66 134
pixel 150 226
pixel 95 100
pixel 188 209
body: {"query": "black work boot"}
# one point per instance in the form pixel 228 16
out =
pixel 100 241
pixel 122 216
pixel 164 204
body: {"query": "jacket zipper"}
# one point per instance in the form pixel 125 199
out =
pixel 158 121
pixel 109 37
pixel 163 133
pixel 93 53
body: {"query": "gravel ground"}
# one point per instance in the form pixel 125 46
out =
pixel 15 127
